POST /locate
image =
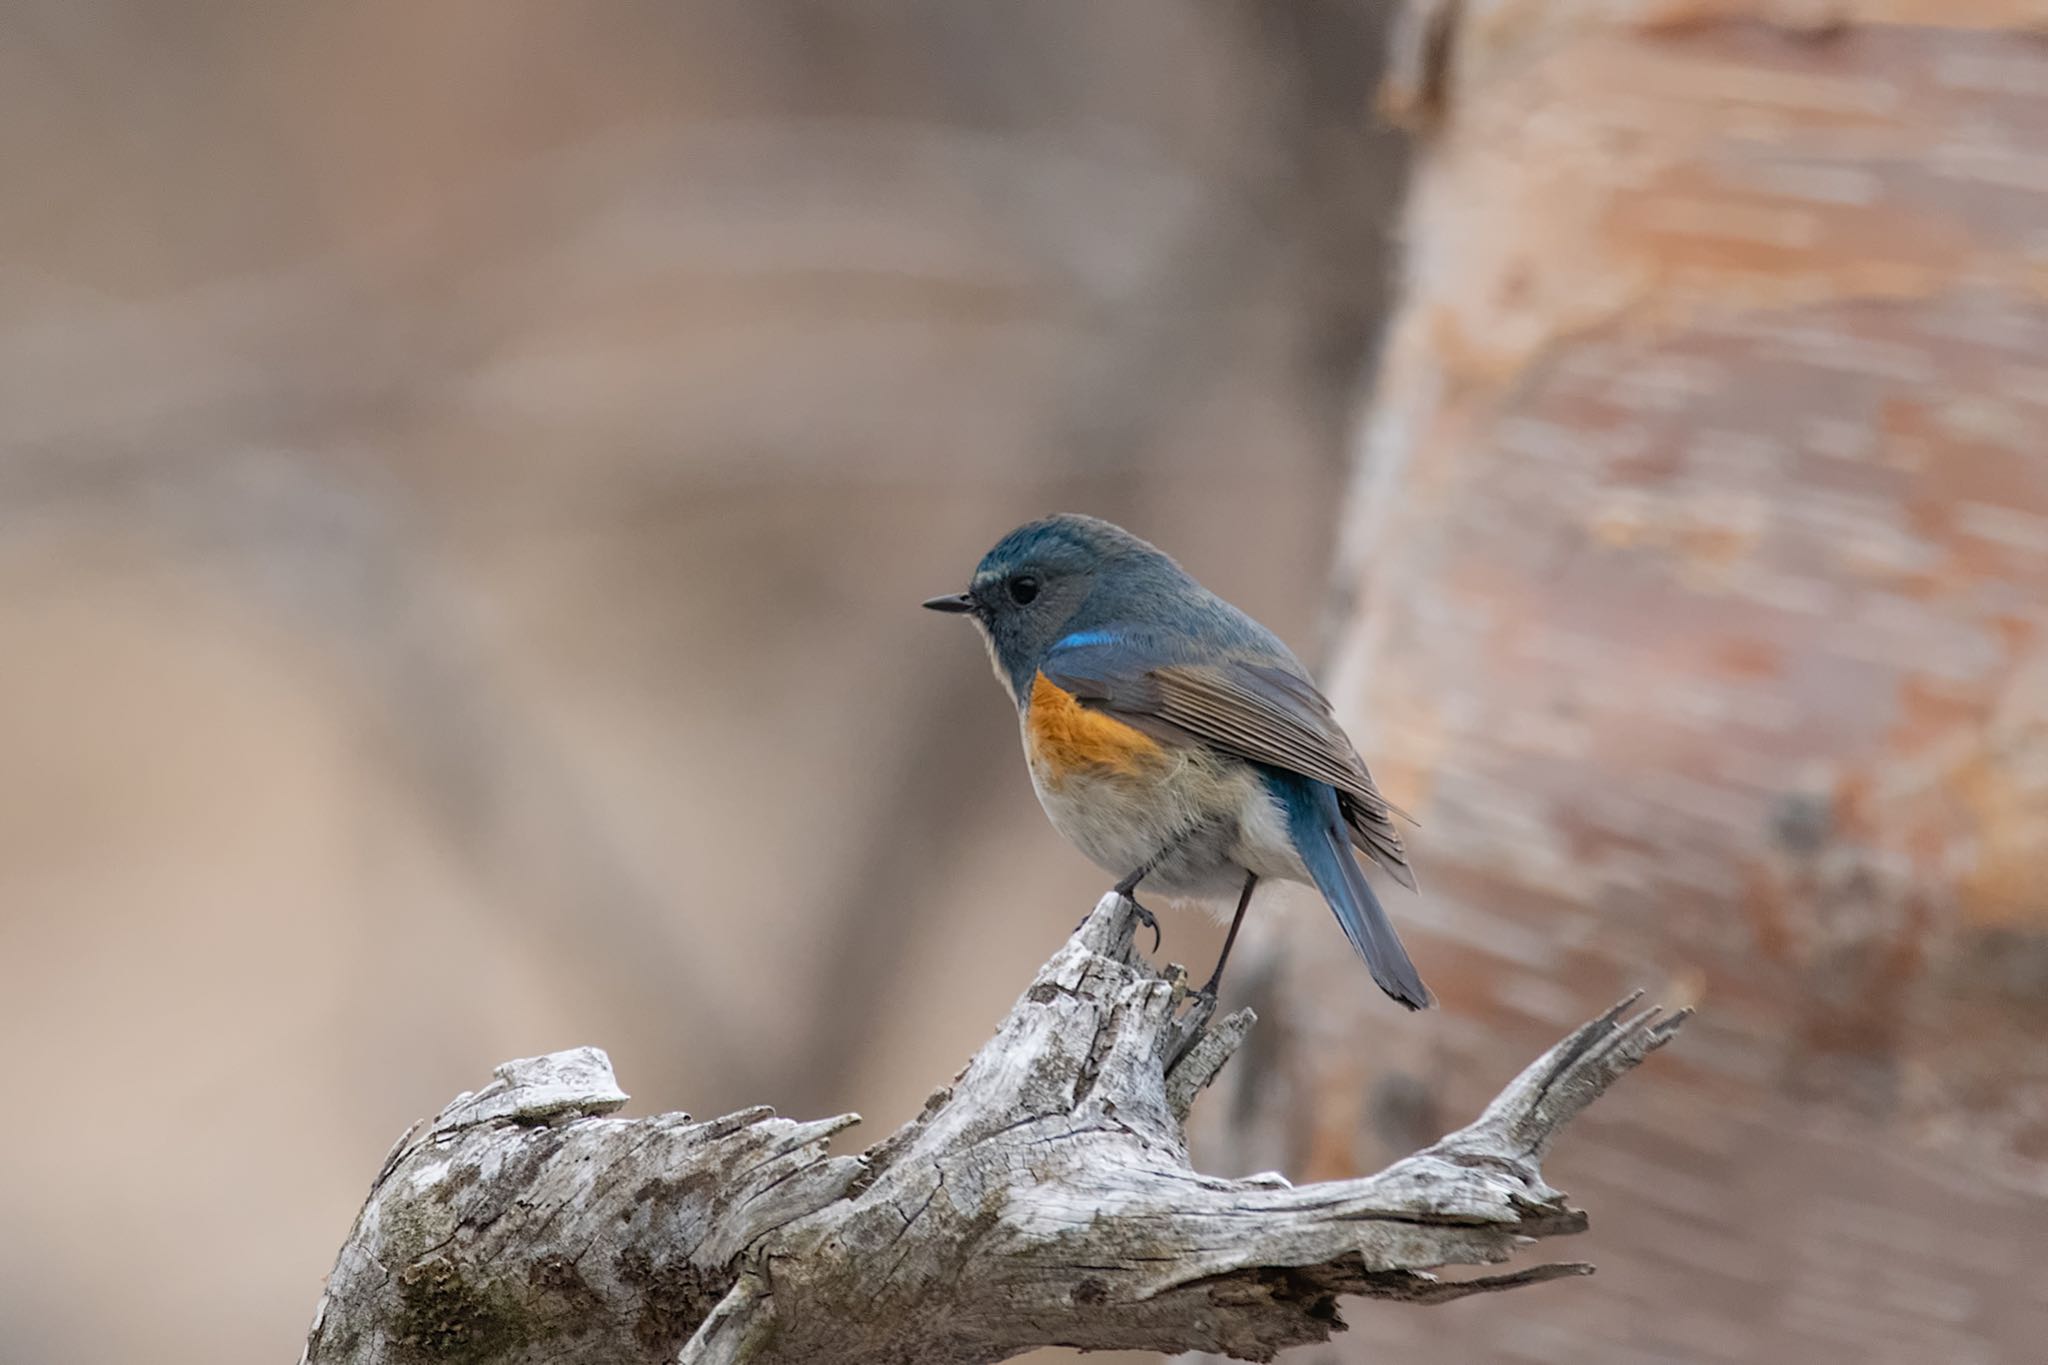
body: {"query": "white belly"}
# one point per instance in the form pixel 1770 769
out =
pixel 1200 818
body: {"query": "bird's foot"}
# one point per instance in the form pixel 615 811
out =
pixel 1128 889
pixel 1149 920
pixel 1141 914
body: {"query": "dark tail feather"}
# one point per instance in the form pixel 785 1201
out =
pixel 1374 835
pixel 1324 843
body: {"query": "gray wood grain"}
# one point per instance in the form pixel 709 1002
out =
pixel 1044 1197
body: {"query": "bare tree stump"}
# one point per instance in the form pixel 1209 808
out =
pixel 1043 1198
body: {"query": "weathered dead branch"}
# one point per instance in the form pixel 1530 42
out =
pixel 1044 1197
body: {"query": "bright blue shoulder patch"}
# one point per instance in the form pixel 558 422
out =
pixel 1081 639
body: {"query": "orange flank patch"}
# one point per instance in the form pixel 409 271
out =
pixel 1066 735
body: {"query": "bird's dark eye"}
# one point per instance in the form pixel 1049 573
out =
pixel 1023 588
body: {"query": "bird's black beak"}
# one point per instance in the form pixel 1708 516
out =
pixel 957 603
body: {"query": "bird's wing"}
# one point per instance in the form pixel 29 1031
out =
pixel 1258 710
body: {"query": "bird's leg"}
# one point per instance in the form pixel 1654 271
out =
pixel 1251 879
pixel 1128 885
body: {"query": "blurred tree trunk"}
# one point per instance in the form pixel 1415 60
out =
pixel 1699 560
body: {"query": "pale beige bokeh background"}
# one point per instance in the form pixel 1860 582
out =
pixel 467 474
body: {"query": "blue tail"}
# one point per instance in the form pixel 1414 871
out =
pixel 1320 836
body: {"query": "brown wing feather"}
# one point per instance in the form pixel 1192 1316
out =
pixel 1263 713
pixel 1375 836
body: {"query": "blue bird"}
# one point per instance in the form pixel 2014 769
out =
pixel 1176 741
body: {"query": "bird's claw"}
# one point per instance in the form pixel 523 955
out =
pixel 1142 915
pixel 1138 912
pixel 1148 919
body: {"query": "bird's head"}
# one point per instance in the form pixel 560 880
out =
pixel 1050 578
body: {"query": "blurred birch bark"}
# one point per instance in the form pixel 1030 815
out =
pixel 1698 559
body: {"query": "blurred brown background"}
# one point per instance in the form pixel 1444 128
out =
pixel 467 472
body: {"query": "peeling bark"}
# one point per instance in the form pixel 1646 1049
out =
pixel 1698 559
pixel 1043 1198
